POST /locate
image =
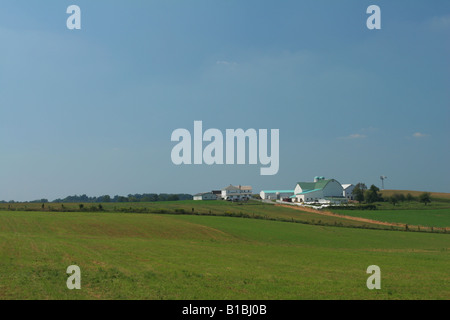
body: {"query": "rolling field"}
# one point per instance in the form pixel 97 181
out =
pixel 154 256
pixel 252 209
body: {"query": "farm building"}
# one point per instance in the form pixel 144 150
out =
pixel 236 193
pixel 321 190
pixel 275 194
pixel 218 193
pixel 348 189
pixel 205 196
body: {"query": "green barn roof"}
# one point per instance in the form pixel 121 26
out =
pixel 307 191
pixel 309 186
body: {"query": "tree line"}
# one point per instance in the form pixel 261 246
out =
pixel 370 195
pixel 145 197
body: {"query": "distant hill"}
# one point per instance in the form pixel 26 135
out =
pixel 436 195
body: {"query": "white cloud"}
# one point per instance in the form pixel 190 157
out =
pixel 439 23
pixel 355 136
pixel 420 135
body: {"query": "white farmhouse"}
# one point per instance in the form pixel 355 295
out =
pixel 275 194
pixel 321 190
pixel 236 193
pixel 205 196
pixel 348 189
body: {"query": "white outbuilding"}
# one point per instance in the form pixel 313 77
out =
pixel 275 194
pixel 205 196
pixel 348 189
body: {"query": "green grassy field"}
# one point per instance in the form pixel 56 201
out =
pixel 423 217
pixel 252 209
pixel 435 214
pixel 153 256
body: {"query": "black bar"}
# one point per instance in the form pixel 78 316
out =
pixel 231 309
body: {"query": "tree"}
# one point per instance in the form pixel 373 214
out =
pixel 150 197
pixel 105 198
pixel 122 199
pixel 372 194
pixel 425 198
pixel 358 192
pixel 396 198
pixel 173 197
pixel 409 197
pixel 393 199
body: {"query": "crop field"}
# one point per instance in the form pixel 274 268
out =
pixel 186 256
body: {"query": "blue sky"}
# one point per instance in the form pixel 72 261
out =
pixel 92 110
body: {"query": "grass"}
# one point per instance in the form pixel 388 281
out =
pixel 252 209
pixel 152 256
pixel 435 214
pixel 425 217
pixel 414 205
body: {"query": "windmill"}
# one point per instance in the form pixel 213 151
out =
pixel 382 181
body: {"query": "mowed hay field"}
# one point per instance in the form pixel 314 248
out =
pixel 153 256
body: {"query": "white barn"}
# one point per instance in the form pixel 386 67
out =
pixel 321 190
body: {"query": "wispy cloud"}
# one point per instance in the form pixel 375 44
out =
pixel 419 135
pixel 440 23
pixel 354 136
pixel 226 63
